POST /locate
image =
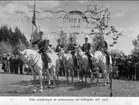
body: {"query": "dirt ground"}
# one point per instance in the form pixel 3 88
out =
pixel 22 85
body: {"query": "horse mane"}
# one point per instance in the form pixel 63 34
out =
pixel 80 51
pixel 29 51
pixel 51 51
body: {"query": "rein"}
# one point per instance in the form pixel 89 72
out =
pixel 34 63
pixel 81 64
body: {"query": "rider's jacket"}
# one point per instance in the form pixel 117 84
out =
pixel 58 47
pixel 42 45
pixel 71 47
pixel 86 47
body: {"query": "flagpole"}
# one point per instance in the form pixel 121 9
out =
pixel 32 17
pixel 33 13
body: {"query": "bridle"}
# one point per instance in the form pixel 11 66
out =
pixel 80 56
pixel 33 65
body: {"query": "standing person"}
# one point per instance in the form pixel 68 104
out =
pixel 20 65
pixel 11 63
pixel 4 60
pixel 16 63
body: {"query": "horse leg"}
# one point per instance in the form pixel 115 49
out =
pixel 40 78
pixel 54 75
pixel 49 77
pixel 104 76
pixel 67 75
pixel 82 76
pixel 72 74
pixel 78 76
pixel 92 76
pixel 34 80
pixel 85 75
pixel 97 75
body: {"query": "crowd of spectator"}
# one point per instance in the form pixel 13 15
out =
pixel 12 64
pixel 125 67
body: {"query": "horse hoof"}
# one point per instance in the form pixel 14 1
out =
pixel 34 90
pixel 105 84
pixel 41 90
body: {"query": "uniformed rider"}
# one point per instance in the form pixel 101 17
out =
pixel 43 45
pixel 71 49
pixel 59 46
pixel 86 48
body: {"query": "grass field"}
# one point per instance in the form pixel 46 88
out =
pixel 21 85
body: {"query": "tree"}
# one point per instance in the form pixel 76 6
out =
pixel 98 19
pixel 64 39
pixel 10 40
pixel 5 48
pixel 116 53
pixel 135 43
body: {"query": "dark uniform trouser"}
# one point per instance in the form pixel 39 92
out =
pixel 46 57
pixel 89 58
pixel 75 59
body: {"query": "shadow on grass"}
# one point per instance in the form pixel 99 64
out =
pixel 25 87
pixel 17 92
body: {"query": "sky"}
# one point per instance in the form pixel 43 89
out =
pixel 124 16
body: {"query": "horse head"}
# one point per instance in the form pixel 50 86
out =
pixel 24 56
pixel 77 49
pixel 62 52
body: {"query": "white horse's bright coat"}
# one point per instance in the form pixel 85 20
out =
pixel 101 62
pixel 68 62
pixel 34 60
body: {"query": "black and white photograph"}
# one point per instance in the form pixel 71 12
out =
pixel 60 48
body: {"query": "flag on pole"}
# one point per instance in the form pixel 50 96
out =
pixel 34 17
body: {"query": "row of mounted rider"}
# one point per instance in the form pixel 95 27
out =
pixel 44 44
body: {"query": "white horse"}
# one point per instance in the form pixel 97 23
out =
pixel 54 65
pixel 83 62
pixel 68 62
pixel 34 60
pixel 100 60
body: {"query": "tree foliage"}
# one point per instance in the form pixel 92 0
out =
pixel 9 40
pixel 99 20
pixel 116 53
pixel 64 39
pixel 135 43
